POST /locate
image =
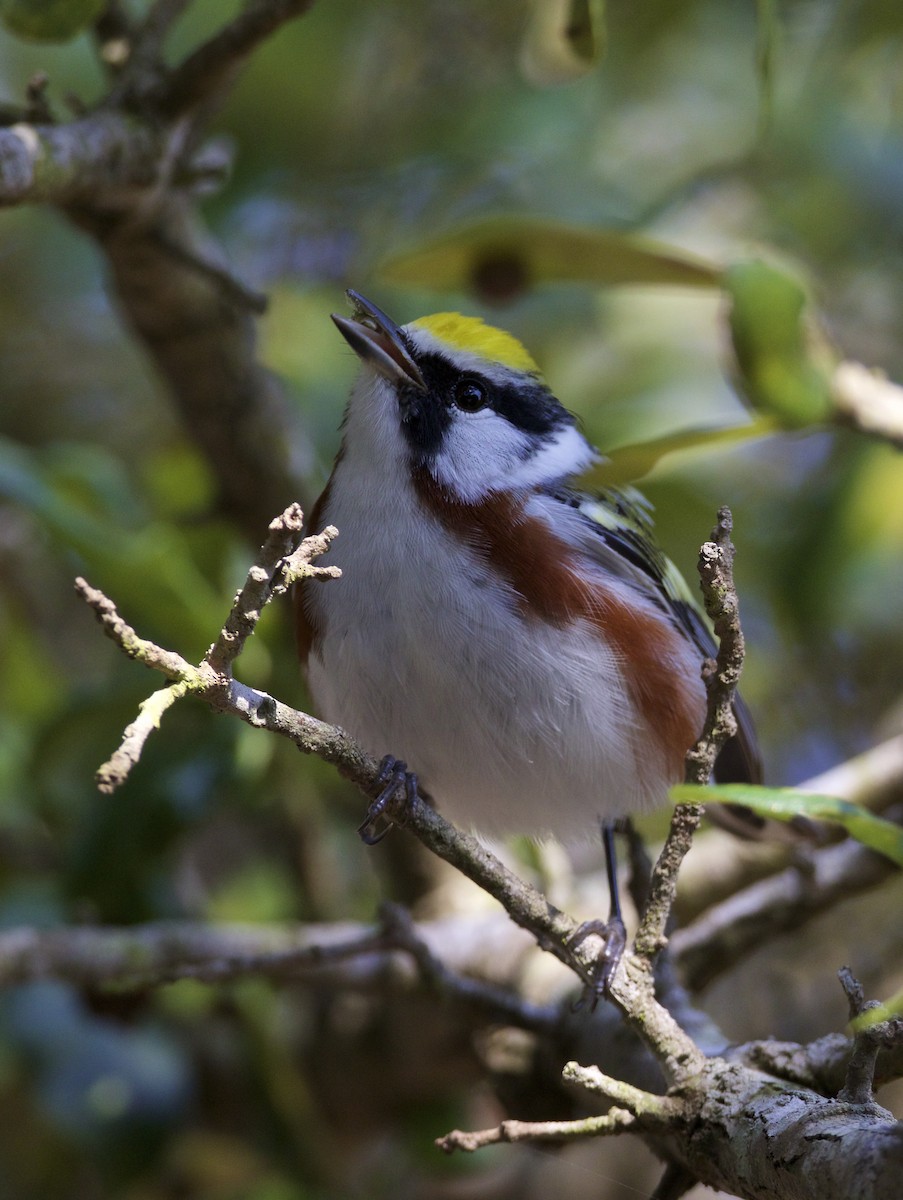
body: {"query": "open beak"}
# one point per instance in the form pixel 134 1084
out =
pixel 377 340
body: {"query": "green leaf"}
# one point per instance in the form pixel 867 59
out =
pixel 783 370
pixel 502 257
pixel 882 1012
pixel 626 464
pixel 786 803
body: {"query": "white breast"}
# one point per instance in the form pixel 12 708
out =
pixel 513 726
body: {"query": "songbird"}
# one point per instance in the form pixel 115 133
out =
pixel 527 649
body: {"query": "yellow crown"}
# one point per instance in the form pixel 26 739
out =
pixel 475 336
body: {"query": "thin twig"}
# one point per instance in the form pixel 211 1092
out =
pixel 150 713
pixel 716 560
pixel 283 559
pixel 721 865
pixel 232 288
pixel 614 1121
pixel 637 1101
pixel 859 1084
pixel 167 662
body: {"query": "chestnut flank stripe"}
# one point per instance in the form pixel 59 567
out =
pixel 542 569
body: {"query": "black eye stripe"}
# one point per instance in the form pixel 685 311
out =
pixel 527 404
pixel 427 417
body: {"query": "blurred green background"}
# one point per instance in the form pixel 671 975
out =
pixel 362 133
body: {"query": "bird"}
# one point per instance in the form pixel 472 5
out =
pixel 526 648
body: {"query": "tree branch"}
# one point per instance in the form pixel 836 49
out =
pixel 868 401
pixel 731 930
pixel 105 159
pixel 716 562
pixel 125 174
pixel 727 1124
pixel 212 67
pixel 480 952
pixel 615 1121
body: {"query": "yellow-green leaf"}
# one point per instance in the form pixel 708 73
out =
pixel 882 1012
pixel 502 257
pixel 626 464
pixel 785 803
pixel 782 369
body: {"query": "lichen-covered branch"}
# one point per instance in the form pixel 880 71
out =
pixel 106 159
pixel 284 558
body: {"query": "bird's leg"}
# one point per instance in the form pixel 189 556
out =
pixel 393 773
pixel 612 930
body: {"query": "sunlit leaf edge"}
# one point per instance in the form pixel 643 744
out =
pixel 785 803
pixel 886 1011
pixel 634 460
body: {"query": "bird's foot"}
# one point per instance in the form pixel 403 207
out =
pixel 615 935
pixel 393 774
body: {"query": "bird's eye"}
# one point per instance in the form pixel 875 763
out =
pixel 470 396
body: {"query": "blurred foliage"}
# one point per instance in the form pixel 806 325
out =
pixel 366 136
pixel 49 20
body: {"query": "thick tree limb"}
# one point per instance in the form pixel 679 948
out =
pixel 105 159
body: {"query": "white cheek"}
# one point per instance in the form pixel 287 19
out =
pixel 567 452
pixel 479 453
pixel 483 451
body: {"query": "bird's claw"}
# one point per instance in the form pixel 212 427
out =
pixel 393 773
pixel 615 935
